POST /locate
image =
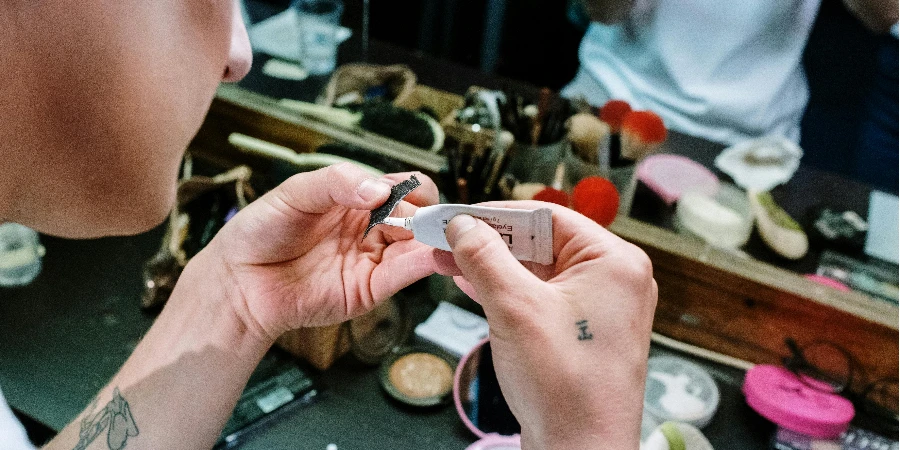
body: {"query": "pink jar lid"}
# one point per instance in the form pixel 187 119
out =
pixel 778 395
pixel 672 175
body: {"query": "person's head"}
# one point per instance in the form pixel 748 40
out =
pixel 98 102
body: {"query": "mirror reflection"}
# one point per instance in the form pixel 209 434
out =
pixel 480 397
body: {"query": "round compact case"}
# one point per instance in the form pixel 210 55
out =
pixel 480 404
pixel 679 390
pixel 417 376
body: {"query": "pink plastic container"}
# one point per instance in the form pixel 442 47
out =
pixel 780 396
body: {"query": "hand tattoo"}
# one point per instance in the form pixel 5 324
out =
pixel 583 332
pixel 116 415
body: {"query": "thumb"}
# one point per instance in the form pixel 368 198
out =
pixel 485 261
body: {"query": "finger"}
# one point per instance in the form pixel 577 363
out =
pixel 466 287
pixel 402 264
pixel 342 184
pixel 424 195
pixel 485 260
pixel 446 265
pixel 575 237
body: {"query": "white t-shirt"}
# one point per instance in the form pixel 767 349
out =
pixel 724 71
pixel 12 433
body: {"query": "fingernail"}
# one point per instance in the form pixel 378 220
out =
pixel 371 189
pixel 458 226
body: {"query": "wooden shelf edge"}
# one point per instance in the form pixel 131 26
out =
pixel 858 304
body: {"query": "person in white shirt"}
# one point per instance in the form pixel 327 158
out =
pixel 725 72
pixel 99 101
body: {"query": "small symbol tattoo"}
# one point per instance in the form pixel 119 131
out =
pixel 584 335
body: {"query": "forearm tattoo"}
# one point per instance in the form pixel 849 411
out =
pixel 583 334
pixel 115 417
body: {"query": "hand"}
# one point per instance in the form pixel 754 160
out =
pixel 570 341
pixel 296 256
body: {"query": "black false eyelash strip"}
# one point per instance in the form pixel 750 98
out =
pixel 398 192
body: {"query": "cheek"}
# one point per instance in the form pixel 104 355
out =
pixel 127 87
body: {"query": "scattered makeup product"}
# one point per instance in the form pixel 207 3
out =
pixel 837 229
pixel 417 376
pixel 723 219
pixel 526 191
pixel 590 138
pixel 874 277
pixel 453 329
pixel 676 436
pixel 277 387
pixel 528 233
pixel 410 127
pixel 20 254
pixel 284 70
pixel 597 199
pixel 825 281
pixel 760 164
pixel 643 132
pixel 669 176
pixel 778 230
pixel 399 191
pixel 783 398
pixel 681 391
pixel 480 402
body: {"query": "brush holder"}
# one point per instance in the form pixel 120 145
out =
pixel 538 163
pixel 623 177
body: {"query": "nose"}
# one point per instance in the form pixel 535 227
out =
pixel 240 56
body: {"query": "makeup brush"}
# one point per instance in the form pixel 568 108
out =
pixel 613 112
pixel 410 127
pixel 642 134
pixel 542 106
pixel 587 133
pixel 526 191
pixel 554 193
pixel 597 199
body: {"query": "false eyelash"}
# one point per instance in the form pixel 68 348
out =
pixel 398 192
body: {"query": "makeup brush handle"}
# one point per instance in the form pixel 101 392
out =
pixel 334 116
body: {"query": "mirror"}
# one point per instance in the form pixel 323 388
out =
pixel 480 403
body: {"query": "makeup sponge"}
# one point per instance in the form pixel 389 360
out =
pixel 596 198
pixel 613 112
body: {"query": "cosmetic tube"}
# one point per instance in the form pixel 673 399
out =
pixel 527 233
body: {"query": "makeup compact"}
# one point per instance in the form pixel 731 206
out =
pixel 679 390
pixel 480 403
pixel 417 376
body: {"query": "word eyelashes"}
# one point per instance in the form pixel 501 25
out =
pixel 583 331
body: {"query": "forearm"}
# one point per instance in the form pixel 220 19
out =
pixel 608 11
pixel 876 15
pixel 180 385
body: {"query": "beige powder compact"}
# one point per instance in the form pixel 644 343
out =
pixel 417 376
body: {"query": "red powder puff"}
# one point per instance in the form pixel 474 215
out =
pixel 596 198
pixel 551 195
pixel 613 112
pixel 645 125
